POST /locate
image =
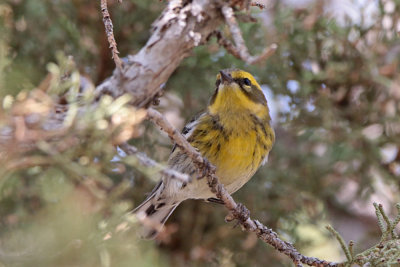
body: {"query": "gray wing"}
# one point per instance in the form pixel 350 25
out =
pixel 189 127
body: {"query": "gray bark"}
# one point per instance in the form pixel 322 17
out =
pixel 182 26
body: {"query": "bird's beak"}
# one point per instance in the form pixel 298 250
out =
pixel 225 78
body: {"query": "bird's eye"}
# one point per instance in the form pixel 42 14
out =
pixel 246 82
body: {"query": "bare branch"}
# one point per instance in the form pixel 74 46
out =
pixel 236 211
pixel 180 141
pixel 146 161
pixel 230 19
pixel 240 49
pixel 110 33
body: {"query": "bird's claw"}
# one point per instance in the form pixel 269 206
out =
pixel 241 213
pixel 207 169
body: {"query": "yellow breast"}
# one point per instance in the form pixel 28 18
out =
pixel 235 145
pixel 238 158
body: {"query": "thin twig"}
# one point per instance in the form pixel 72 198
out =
pixel 180 141
pixel 351 248
pixel 110 34
pixel 389 227
pixel 236 211
pixel 146 161
pixel 397 219
pixel 240 50
pixel 342 243
pixel 230 19
pixel 380 221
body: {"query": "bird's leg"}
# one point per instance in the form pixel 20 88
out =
pixel 215 200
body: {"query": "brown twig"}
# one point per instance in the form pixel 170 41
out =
pixel 269 51
pixel 110 33
pixel 240 50
pixel 236 211
pixel 180 141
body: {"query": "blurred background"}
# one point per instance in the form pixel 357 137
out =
pixel 333 89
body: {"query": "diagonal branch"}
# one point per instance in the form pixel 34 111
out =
pixel 240 50
pixel 182 26
pixel 236 210
pixel 146 161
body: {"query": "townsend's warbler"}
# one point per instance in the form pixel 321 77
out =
pixel 234 134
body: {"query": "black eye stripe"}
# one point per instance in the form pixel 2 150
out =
pixel 244 81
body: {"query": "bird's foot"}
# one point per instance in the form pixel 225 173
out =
pixel 241 213
pixel 207 169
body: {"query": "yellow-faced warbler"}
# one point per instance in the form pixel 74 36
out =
pixel 234 134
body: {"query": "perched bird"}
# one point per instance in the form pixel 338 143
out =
pixel 234 134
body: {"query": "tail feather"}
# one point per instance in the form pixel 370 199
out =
pixel 153 213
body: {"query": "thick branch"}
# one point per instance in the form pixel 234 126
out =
pixel 182 26
pixel 237 211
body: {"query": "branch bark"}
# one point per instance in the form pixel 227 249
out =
pixel 237 211
pixel 182 26
pixel 240 50
pixel 110 34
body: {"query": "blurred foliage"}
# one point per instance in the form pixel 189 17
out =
pixel 384 253
pixel 39 29
pixel 333 86
pixel 63 195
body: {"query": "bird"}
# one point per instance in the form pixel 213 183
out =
pixel 234 134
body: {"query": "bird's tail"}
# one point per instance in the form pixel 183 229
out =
pixel 154 212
